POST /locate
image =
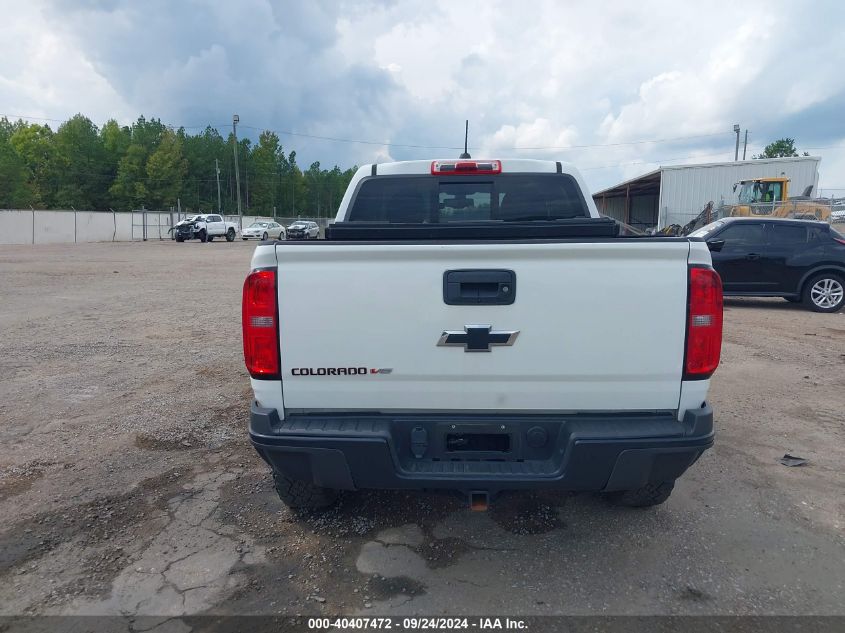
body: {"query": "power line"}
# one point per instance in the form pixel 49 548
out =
pixel 625 143
pixel 348 140
pixel 475 148
pixel 336 139
pixel 34 118
pixel 449 147
pixel 41 118
pixel 418 146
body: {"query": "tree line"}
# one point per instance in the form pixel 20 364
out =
pixel 153 166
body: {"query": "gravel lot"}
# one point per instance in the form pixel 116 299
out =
pixel 128 485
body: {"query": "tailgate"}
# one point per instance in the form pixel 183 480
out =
pixel 601 327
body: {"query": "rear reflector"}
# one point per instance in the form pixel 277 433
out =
pixel 260 326
pixel 458 167
pixel 704 325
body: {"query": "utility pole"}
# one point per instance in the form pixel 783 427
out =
pixel 745 144
pixel 736 152
pixel 235 120
pixel 217 169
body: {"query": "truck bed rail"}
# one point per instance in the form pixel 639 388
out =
pixel 493 230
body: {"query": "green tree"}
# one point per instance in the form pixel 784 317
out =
pixel 166 170
pixel 294 191
pixel 35 145
pixel 13 171
pixel 338 181
pixel 116 141
pixel 129 190
pixel 325 189
pixel 200 185
pixel 246 173
pixel 81 169
pixel 781 148
pixel 314 180
pixel 148 134
pixel 265 169
pixel 125 167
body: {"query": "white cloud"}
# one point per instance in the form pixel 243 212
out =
pixel 559 74
pixel 538 133
pixel 42 74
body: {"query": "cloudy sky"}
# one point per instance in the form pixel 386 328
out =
pixel 615 87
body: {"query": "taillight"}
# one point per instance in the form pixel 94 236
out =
pixel 704 324
pixel 840 240
pixel 260 324
pixel 458 167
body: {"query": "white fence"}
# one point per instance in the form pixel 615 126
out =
pixel 26 226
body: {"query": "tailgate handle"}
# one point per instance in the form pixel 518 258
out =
pixel 479 287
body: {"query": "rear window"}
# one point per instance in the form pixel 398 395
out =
pixel 787 234
pixel 429 200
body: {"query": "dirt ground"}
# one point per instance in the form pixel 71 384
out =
pixel 128 485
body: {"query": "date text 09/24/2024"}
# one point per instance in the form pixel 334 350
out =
pixel 417 623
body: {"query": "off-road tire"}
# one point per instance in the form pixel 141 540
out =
pixel 648 495
pixel 210 238
pixel 265 236
pixel 179 238
pixel 203 236
pixel 807 290
pixel 301 495
pixel 230 235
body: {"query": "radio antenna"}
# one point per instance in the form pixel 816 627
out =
pixel 466 138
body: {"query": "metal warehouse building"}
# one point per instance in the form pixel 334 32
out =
pixel 677 194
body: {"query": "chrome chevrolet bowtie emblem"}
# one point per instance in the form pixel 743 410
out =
pixel 477 338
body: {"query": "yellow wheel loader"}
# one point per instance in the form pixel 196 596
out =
pixel 770 197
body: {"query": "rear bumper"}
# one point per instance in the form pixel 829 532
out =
pixel 586 452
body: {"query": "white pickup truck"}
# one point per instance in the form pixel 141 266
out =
pixel 476 325
pixel 205 227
